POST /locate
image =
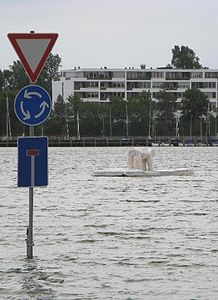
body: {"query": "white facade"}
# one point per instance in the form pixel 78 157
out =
pixel 104 84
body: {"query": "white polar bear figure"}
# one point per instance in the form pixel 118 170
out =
pixel 140 158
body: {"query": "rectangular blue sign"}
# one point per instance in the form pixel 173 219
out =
pixel 32 161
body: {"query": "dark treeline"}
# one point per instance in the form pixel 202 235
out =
pixel 140 116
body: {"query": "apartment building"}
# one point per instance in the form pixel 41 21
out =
pixel 101 85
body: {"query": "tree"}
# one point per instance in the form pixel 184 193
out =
pixel 1 80
pixel 7 80
pixel 195 104
pixel 184 58
pixel 90 118
pixel 72 111
pixel 104 118
pixel 140 114
pixel 56 125
pixel 118 111
pixel 49 72
pixel 16 77
pixel 166 107
pixel 17 128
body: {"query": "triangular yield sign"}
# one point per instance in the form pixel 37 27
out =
pixel 33 50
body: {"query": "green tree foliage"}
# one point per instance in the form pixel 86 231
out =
pixel 103 116
pixel 7 80
pixel 73 114
pixel 194 105
pixel 17 128
pixel 146 116
pixel 1 80
pixel 118 111
pixel 104 119
pixel 58 118
pixel 92 118
pixel 194 102
pixel 184 58
pixel 16 78
pixel 165 108
pixel 140 113
pixel 73 105
pixel 49 72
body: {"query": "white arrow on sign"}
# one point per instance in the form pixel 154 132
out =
pixel 28 95
pixel 25 113
pixel 43 105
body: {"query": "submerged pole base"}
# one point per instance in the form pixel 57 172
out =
pixel 29 245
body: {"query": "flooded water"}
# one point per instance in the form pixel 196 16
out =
pixel 112 238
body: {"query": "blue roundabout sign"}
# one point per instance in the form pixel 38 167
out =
pixel 32 105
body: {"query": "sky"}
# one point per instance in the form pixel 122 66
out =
pixel 114 33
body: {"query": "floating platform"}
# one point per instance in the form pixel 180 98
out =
pixel 141 173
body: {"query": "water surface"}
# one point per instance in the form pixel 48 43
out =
pixel 112 238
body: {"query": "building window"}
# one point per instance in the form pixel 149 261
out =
pixel 211 74
pixel 197 75
pixel 118 74
pixel 178 75
pixel 157 74
pixel 139 75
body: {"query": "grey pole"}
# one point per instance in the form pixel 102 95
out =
pixel 30 227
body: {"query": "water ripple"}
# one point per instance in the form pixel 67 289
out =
pixel 112 238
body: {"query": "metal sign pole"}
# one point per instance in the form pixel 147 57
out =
pixel 32 48
pixel 30 227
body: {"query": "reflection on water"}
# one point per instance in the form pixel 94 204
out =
pixel 112 238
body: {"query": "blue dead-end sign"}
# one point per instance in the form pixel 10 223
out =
pixel 32 161
pixel 32 105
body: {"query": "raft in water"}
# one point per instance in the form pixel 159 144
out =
pixel 141 173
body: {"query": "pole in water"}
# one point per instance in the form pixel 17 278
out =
pixel 30 227
pixel 29 240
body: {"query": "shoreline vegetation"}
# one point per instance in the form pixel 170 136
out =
pixel 120 141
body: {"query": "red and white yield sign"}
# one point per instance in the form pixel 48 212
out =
pixel 33 50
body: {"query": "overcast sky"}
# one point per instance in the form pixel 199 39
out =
pixel 114 33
